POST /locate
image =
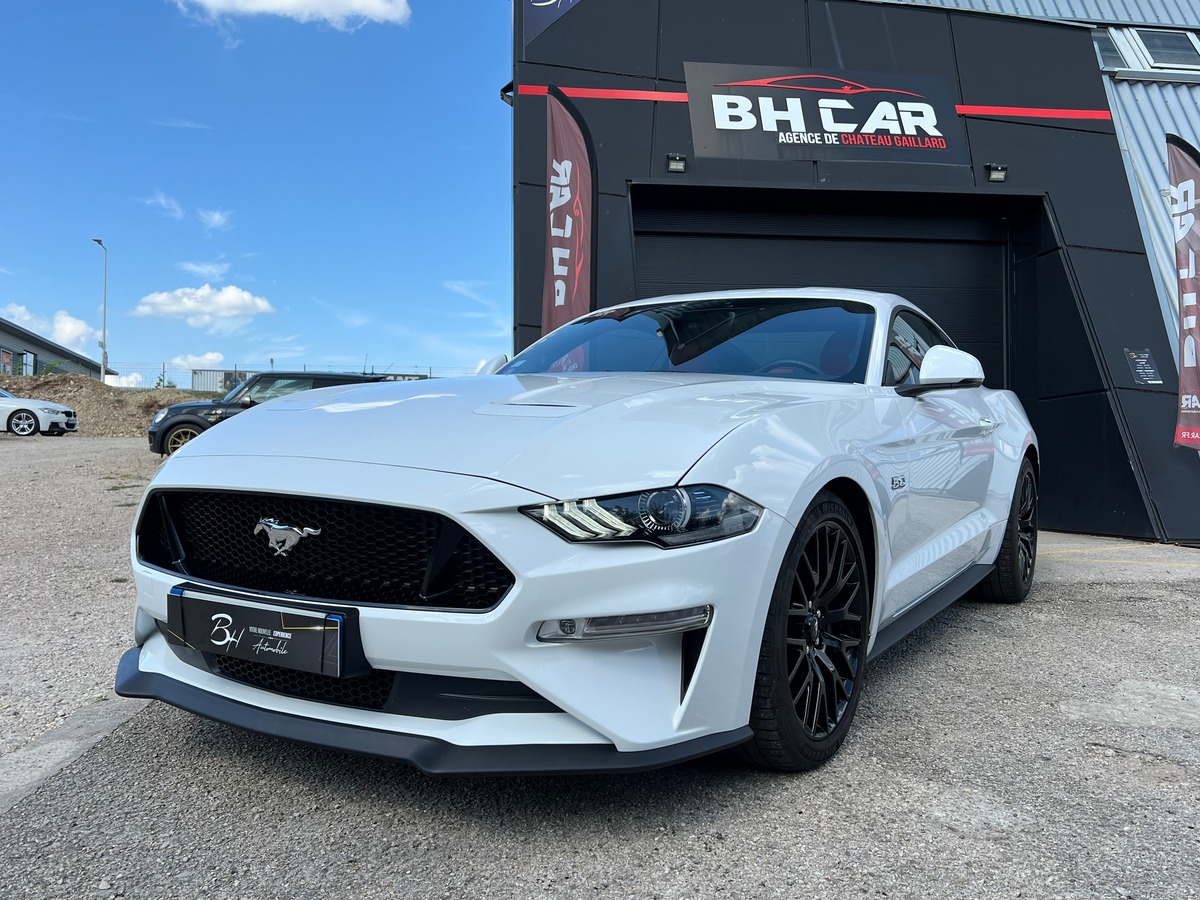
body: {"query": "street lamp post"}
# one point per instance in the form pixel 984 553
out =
pixel 104 319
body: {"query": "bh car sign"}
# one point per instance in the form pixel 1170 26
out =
pixel 755 112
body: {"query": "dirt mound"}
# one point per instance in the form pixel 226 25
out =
pixel 103 411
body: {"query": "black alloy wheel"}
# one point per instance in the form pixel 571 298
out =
pixel 813 659
pixel 1012 578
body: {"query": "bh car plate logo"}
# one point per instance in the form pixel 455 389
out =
pixel 758 112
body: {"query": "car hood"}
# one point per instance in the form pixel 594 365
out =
pixel 193 406
pixel 558 435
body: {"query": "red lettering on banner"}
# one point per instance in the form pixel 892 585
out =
pixel 1184 164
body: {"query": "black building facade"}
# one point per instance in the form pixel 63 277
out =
pixel 857 144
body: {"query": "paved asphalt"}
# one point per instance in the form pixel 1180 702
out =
pixel 1046 750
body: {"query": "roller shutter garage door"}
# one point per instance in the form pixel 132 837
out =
pixel 952 266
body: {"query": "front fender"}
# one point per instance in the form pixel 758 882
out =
pixel 781 461
pixel 770 462
pixel 194 421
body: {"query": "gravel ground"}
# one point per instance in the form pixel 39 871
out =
pixel 64 573
pixel 1047 750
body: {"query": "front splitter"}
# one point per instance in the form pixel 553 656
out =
pixel 430 755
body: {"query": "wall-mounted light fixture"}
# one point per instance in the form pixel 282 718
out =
pixel 676 163
pixel 996 172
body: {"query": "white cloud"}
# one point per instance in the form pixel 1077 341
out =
pixel 167 205
pixel 4 271
pixel 222 311
pixel 15 312
pixel 66 116
pixel 351 318
pixel 341 14
pixel 209 360
pixel 497 317
pixel 132 380
pixel 178 123
pixel 72 333
pixel 212 271
pixel 215 219
pixel 278 347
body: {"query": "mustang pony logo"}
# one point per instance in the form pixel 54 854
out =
pixel 282 538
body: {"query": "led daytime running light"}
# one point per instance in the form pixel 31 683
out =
pixel 668 517
pixel 598 628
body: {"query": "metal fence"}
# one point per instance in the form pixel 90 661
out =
pixel 143 376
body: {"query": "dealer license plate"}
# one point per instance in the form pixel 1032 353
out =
pixel 292 638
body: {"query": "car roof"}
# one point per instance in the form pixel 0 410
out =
pixel 310 374
pixel 882 302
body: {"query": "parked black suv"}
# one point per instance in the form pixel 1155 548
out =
pixel 174 426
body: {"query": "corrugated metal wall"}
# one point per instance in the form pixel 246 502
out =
pixel 1180 13
pixel 1143 113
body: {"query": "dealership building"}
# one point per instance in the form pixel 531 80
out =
pixel 25 352
pixel 1001 163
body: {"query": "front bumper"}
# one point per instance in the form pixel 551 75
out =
pixel 618 705
pixel 433 756
pixel 155 435
pixel 59 423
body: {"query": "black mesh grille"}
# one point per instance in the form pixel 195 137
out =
pixel 370 691
pixel 396 693
pixel 365 553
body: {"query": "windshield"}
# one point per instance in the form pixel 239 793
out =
pixel 821 340
pixel 4 393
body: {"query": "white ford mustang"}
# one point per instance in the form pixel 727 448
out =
pixel 665 529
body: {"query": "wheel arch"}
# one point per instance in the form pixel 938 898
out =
pixel 1031 454
pixel 187 419
pixel 851 493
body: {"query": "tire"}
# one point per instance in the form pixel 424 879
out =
pixel 1012 578
pixel 23 423
pixel 178 436
pixel 812 664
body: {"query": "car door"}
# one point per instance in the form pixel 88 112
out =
pixel 950 460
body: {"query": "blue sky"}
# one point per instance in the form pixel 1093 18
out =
pixel 305 187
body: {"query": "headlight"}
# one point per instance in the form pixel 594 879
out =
pixel 668 517
pixel 51 411
pixel 158 417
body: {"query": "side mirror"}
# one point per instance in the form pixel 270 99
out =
pixel 944 368
pixel 492 366
pixel 246 402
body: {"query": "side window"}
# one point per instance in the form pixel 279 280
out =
pixel 910 339
pixel 269 388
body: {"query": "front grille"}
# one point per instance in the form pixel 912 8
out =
pixel 364 554
pixel 370 691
